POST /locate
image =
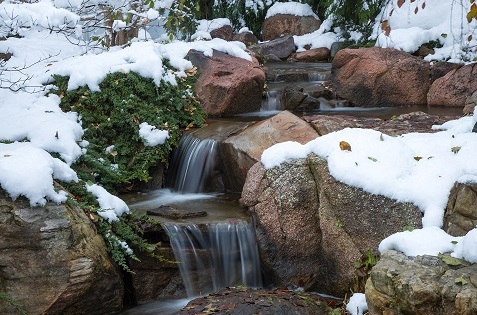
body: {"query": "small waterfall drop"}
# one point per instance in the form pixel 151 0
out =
pixel 192 164
pixel 226 254
pixel 272 102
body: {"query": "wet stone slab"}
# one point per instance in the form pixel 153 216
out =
pixel 175 214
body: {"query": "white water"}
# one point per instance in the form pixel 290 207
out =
pixel 224 255
pixel 192 164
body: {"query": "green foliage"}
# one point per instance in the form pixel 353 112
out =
pixel 112 116
pixel 117 157
pixel 181 19
pixel 352 15
pixel 363 269
pixel 244 13
pixel 10 300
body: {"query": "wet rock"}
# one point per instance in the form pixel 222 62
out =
pixel 461 212
pixel 53 261
pixel 454 88
pixel 380 77
pixel 227 85
pixel 243 150
pixel 405 123
pixel 303 215
pixel 292 96
pixel 239 301
pixel 421 285
pixel 153 279
pixel 175 214
pixel 281 47
pixel 313 55
pixel 286 24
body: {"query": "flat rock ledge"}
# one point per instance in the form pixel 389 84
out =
pixel 241 300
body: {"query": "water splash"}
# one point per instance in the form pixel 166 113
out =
pixel 226 254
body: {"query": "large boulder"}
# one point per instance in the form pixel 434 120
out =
pixel 287 24
pixel 373 77
pixel 454 88
pixel 312 229
pixel 242 150
pixel 53 261
pixel 227 85
pixel 422 285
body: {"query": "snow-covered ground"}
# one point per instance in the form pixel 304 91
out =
pixel 419 168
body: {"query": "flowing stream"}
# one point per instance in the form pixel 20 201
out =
pixel 213 251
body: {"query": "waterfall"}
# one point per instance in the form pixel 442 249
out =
pixel 318 76
pixel 272 102
pixel 192 164
pixel 225 254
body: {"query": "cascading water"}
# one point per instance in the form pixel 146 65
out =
pixel 224 255
pixel 211 256
pixel 192 164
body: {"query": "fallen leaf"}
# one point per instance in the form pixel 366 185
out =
pixel 460 281
pixel 372 159
pixel 400 3
pixel 418 158
pixel 451 261
pixel 345 146
pixel 455 150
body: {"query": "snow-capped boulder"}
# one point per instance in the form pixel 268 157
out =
pixel 287 24
pixel 227 85
pixel 242 150
pixel 312 229
pixel 53 261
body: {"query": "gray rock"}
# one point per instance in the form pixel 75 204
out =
pixel 461 212
pixel 281 47
pixel 421 285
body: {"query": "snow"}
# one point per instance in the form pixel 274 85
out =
pixel 112 207
pixel 418 168
pixel 415 23
pixel 292 8
pixel 33 126
pixel 151 135
pixel 357 304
